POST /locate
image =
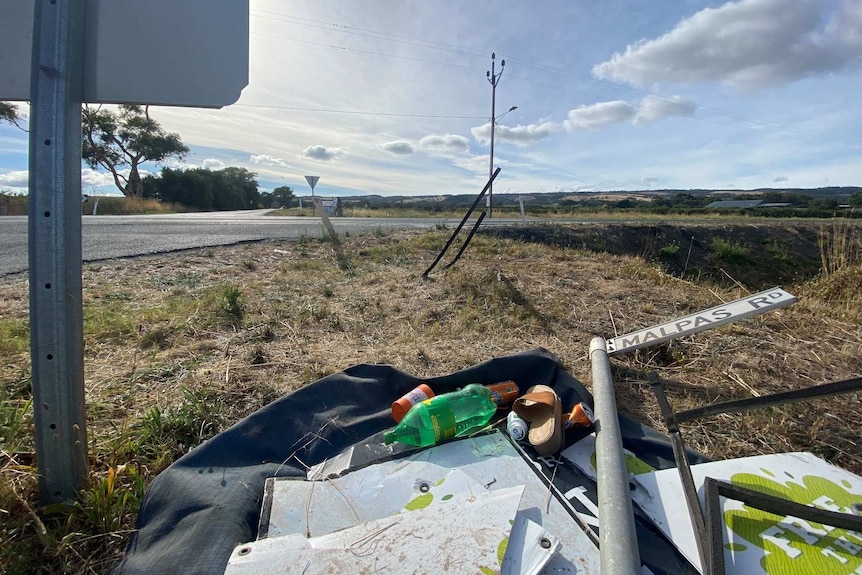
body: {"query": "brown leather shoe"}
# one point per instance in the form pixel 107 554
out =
pixel 541 408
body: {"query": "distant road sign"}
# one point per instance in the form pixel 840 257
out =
pixel 161 52
pixel 707 319
pixel 312 181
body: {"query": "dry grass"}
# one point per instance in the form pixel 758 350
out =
pixel 158 333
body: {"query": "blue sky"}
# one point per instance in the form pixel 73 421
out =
pixel 391 97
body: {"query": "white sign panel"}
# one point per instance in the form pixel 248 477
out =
pixel 756 542
pixel 168 52
pixel 713 317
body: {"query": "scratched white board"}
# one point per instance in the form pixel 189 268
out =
pixel 439 476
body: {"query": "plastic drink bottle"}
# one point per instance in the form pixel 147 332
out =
pixel 443 416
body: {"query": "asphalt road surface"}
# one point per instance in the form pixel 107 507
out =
pixel 106 237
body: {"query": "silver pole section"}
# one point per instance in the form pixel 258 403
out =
pixel 618 546
pixel 56 316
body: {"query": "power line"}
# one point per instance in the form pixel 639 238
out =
pixel 343 28
pixel 359 50
pixel 475 52
pixel 360 112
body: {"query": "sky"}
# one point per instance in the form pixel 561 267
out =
pixel 392 98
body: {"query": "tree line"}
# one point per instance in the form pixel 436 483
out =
pixel 120 140
pixel 204 189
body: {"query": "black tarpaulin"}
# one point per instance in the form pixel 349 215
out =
pixel 197 510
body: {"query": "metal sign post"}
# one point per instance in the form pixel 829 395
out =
pixel 71 58
pixel 56 312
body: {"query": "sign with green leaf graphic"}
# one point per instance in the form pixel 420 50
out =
pixel 757 542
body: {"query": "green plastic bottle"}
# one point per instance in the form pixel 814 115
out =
pixel 443 416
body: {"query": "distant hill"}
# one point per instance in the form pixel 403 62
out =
pixel 839 193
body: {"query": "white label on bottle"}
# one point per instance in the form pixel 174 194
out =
pixel 416 396
pixel 516 427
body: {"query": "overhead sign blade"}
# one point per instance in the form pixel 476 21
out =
pixel 707 319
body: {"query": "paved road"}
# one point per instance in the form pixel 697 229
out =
pixel 105 237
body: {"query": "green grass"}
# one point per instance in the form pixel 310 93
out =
pixel 183 279
pixel 14 336
pixel 168 432
pixel 669 250
pixel 218 306
pixel 729 251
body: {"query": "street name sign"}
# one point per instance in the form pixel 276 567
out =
pixel 707 319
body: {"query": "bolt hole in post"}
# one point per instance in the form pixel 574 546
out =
pixel 47 286
pixel 47 214
pixel 47 142
pixel 50 356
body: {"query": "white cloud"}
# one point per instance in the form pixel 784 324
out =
pixel 322 153
pixel 748 44
pixel 649 180
pixel 521 135
pixel 447 144
pixel 212 164
pixel 398 147
pixel 591 117
pixel 780 179
pixel 475 164
pixel 90 177
pixel 655 108
pixel 93 178
pixel 15 179
pixel 595 116
pixel 266 160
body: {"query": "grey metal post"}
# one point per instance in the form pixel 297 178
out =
pixel 618 546
pixel 56 313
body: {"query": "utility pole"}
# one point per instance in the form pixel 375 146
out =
pixel 494 79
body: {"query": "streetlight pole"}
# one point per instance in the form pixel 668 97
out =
pixel 493 79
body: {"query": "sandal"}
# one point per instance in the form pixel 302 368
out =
pixel 542 409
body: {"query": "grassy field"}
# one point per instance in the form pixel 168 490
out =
pixel 179 346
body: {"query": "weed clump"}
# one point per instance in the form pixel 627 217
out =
pixel 729 251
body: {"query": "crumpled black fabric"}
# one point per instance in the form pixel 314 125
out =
pixel 207 502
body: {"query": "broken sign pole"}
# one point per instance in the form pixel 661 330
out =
pixel 461 225
pixel 54 230
pixel 618 544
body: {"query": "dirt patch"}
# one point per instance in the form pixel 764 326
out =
pixel 757 256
